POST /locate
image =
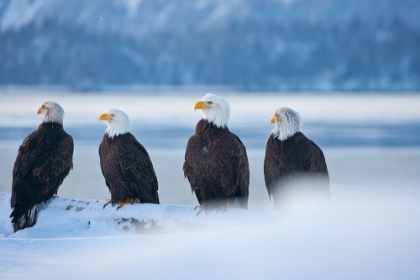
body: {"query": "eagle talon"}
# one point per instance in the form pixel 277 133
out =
pixel 224 208
pixel 127 201
pixel 107 203
pixel 202 208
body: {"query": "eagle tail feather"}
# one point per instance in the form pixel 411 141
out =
pixel 24 219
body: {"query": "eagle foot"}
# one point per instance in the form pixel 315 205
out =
pixel 107 203
pixel 224 208
pixel 202 208
pixel 127 201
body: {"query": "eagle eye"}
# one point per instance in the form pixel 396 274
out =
pixel 209 102
pixel 112 115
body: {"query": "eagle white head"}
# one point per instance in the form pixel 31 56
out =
pixel 287 123
pixel 51 113
pixel 214 109
pixel 117 122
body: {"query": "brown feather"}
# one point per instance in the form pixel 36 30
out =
pixel 128 170
pixel 44 159
pixel 296 160
pixel 216 165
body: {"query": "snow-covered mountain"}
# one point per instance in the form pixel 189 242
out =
pixel 245 44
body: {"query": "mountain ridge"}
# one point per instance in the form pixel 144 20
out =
pixel 273 45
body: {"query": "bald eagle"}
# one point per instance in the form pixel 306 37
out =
pixel 216 163
pixel 294 165
pixel 125 163
pixel 44 159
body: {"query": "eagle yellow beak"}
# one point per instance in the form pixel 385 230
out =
pixel 105 117
pixel 201 105
pixel 273 119
pixel 40 111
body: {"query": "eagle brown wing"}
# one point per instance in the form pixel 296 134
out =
pixel 43 161
pixel 137 168
pixel 296 156
pixel 240 161
pixel 190 158
pixel 216 165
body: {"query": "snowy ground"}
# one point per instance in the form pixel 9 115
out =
pixel 371 238
pixel 69 218
pixel 370 230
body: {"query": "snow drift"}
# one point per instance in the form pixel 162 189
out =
pixel 369 236
pixel 66 217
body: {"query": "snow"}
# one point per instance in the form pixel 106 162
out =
pixel 132 6
pixel 67 218
pixel 21 13
pixel 361 237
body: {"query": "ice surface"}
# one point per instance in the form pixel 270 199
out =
pixel 176 109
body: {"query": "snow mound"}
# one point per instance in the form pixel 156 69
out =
pixel 66 217
pixel 360 237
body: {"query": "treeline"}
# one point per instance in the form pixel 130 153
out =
pixel 296 56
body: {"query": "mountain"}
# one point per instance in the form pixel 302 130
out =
pixel 248 45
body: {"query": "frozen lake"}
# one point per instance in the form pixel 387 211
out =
pixel 370 141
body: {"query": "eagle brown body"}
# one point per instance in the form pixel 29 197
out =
pixel 216 165
pixel 295 166
pixel 128 170
pixel 45 158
